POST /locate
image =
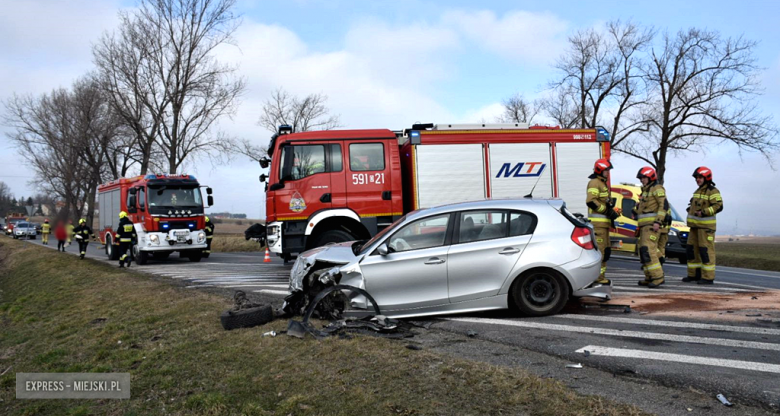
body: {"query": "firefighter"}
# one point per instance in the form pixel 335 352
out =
pixel 209 236
pixel 45 231
pixel 651 215
pixel 663 237
pixel 125 234
pixel 600 212
pixel 82 232
pixel 70 231
pixel 705 204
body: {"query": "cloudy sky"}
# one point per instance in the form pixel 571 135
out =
pixel 390 64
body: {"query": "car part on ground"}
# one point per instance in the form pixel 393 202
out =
pixel 245 314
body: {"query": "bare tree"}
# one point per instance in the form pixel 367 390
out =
pixel 165 81
pixel 518 110
pixel 703 91
pixel 562 107
pixel 302 114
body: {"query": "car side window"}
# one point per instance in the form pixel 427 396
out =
pixel 628 206
pixel 301 161
pixel 521 223
pixel 366 157
pixel 424 233
pixel 482 225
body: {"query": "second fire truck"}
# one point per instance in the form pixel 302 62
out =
pixel 166 210
pixel 342 185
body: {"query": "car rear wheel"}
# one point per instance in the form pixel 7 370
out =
pixel 540 292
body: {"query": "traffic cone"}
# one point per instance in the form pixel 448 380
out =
pixel 267 258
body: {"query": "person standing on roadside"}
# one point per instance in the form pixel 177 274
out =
pixel 125 234
pixel 705 204
pixel 70 228
pixel 209 236
pixel 61 234
pixel 82 233
pixel 600 212
pixel 45 231
pixel 650 216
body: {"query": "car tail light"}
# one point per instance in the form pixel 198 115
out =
pixel 583 237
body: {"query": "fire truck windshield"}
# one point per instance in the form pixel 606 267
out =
pixel 174 196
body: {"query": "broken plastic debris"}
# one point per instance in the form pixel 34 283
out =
pixel 578 365
pixel 270 334
pixel 724 400
pixel 587 353
pixel 471 334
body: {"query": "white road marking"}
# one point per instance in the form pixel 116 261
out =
pixel 628 334
pixel 679 358
pixel 673 324
pixel 273 292
pixel 724 268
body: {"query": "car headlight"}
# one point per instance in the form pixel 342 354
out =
pixel 201 237
pixel 154 239
pixel 672 233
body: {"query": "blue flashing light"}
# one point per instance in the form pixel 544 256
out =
pixel 165 225
pixel 415 133
pixel 191 225
pixel 192 177
pixel 150 176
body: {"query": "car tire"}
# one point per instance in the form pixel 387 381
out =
pixel 141 258
pixel 540 292
pixel 246 318
pixel 332 236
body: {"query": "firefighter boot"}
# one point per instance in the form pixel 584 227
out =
pixel 643 282
pixel 656 282
pixel 705 282
pixel 121 265
pixel 697 278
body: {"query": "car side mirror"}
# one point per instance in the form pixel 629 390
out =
pixel 210 200
pixel 382 249
pixel 131 202
pixel 264 162
pixel 208 191
pixel 276 186
pixel 263 177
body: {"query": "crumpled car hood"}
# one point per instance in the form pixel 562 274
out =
pixel 335 253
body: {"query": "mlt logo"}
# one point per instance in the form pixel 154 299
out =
pixel 522 169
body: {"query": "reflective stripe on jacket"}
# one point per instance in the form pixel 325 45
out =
pixel 706 199
pixel 597 199
pixel 651 205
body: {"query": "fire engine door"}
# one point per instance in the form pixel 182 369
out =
pixel 368 178
pixel 306 182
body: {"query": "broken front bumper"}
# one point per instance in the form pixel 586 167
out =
pixel 596 290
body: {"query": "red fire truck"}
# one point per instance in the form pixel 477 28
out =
pixel 11 220
pixel 167 211
pixel 333 186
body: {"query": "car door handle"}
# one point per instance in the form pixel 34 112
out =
pixel 434 260
pixel 509 250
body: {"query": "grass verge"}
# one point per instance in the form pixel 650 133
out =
pixel 226 243
pixel 60 314
pixel 748 255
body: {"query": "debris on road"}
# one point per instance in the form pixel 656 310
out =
pixel 245 314
pixel 723 400
pixel 608 306
pixel 471 333
pixel 753 314
pixel 578 365
pixel 413 347
pixel 269 334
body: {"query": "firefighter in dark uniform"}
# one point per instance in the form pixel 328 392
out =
pixel 125 234
pixel 706 202
pixel 209 237
pixel 651 215
pixel 82 234
pixel 600 212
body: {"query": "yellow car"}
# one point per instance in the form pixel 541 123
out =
pixel 622 238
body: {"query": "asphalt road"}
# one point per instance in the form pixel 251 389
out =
pixel 629 357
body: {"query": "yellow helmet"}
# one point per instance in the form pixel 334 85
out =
pixel 82 221
pixel 207 219
pixel 122 214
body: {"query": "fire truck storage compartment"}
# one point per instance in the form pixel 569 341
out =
pixel 516 167
pixel 109 206
pixel 575 164
pixel 449 173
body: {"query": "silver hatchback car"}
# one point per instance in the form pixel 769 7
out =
pixel 532 255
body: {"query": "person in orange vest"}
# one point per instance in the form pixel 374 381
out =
pixel 45 231
pixel 705 204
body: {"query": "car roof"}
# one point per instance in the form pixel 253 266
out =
pixel 524 204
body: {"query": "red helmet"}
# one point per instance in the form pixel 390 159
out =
pixel 704 172
pixel 647 172
pixel 46 220
pixel 601 166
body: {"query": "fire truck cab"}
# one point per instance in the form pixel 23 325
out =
pixel 167 211
pixel 343 185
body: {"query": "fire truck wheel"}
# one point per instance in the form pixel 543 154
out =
pixel 195 256
pixel 540 292
pixel 332 236
pixel 110 248
pixel 246 318
pixel 141 258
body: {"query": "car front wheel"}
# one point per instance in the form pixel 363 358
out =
pixel 540 292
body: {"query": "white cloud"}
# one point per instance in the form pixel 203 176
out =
pixel 522 36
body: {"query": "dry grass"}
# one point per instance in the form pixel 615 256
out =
pixel 233 226
pixel 183 363
pixel 759 255
pixel 226 243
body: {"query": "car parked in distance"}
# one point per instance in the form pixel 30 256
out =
pixel 24 230
pixel 529 255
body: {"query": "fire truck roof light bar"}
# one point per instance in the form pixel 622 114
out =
pixel 485 126
pixel 169 176
pixel 285 129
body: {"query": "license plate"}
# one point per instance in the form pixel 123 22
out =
pixel 181 238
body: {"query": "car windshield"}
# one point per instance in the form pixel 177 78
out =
pixel 380 234
pixel 174 196
pixel 23 225
pixel 676 216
